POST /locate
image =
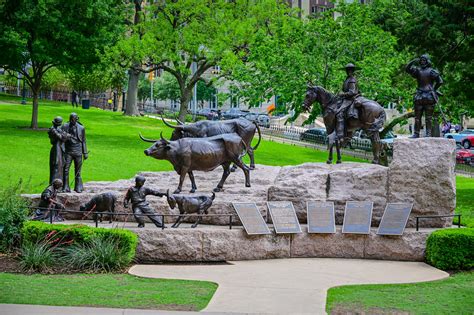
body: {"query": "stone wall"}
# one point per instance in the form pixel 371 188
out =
pixel 422 172
pixel 218 244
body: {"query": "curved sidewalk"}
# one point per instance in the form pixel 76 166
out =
pixel 288 286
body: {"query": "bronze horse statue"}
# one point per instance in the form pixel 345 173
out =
pixel 371 119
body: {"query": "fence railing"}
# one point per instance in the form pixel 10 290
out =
pixel 51 213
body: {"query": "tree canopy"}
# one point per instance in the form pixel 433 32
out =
pixel 38 35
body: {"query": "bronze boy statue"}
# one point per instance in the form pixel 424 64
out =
pixel 48 205
pixel 137 195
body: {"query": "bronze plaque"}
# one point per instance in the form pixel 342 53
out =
pixel 357 217
pixel 284 217
pixel 251 218
pixel 320 217
pixel 394 219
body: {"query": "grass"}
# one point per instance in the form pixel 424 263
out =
pixel 116 152
pixel 454 295
pixel 109 290
pixel 465 200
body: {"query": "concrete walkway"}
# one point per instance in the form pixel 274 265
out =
pixel 288 286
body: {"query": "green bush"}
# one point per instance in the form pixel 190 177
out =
pixel 451 249
pixel 84 238
pixel 38 256
pixel 13 213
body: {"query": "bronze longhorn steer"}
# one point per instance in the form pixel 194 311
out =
pixel 205 128
pixel 201 154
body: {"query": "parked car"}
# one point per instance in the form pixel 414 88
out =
pixel 458 137
pixel 464 156
pixel 234 113
pixel 317 135
pixel 210 114
pixel 467 142
pixel 360 140
pixel 260 119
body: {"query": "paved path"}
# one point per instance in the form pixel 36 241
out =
pixel 288 286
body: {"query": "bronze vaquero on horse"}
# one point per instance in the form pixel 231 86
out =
pixel 371 119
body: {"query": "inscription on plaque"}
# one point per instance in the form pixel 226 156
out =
pixel 320 217
pixel 284 217
pixel 394 219
pixel 357 217
pixel 251 218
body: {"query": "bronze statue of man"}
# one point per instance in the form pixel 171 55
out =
pixel 57 138
pixel 426 95
pixel 75 150
pixel 346 109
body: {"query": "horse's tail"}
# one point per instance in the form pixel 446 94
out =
pixel 378 123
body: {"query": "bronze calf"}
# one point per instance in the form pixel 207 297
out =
pixel 186 205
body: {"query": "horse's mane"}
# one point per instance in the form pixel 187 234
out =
pixel 328 95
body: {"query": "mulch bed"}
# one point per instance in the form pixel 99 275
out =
pixel 9 264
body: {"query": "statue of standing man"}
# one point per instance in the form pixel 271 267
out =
pixel 426 95
pixel 57 138
pixel 76 150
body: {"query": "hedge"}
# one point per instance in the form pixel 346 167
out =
pixel 36 231
pixel 451 249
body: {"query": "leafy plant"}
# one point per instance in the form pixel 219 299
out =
pixel 98 255
pixel 38 256
pixel 451 249
pixel 13 214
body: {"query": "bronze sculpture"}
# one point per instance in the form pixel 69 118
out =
pixel 347 107
pixel 371 118
pixel 201 154
pixel 57 138
pixel 188 205
pixel 137 195
pixel 207 128
pixel 104 202
pixel 427 94
pixel 75 150
pixel 49 206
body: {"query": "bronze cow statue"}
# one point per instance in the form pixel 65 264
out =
pixel 206 128
pixel 201 154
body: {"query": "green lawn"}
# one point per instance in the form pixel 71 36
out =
pixel 116 152
pixel 108 290
pixel 465 200
pixel 454 295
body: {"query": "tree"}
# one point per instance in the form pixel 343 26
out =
pixel 38 35
pixel 187 38
pixel 443 29
pixel 314 50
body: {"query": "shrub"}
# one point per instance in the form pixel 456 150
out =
pixel 451 249
pixel 13 213
pixel 98 254
pixel 98 248
pixel 37 257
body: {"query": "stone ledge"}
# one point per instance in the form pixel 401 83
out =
pixel 208 244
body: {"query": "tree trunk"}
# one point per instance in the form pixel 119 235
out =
pixel 395 122
pixel 184 102
pixel 34 114
pixel 132 94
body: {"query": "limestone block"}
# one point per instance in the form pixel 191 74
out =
pixel 422 172
pixel 336 245
pixel 410 246
pixel 169 245
pixel 222 245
